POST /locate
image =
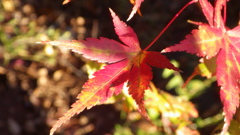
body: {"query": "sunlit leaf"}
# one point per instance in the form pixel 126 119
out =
pixel 126 63
pixel 211 40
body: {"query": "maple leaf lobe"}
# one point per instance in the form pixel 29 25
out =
pixel 102 50
pixel 206 42
pixel 97 90
pixel 141 74
pixel 125 33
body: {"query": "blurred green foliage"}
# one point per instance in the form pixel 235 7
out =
pixel 18 37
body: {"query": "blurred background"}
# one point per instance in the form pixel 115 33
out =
pixel 38 83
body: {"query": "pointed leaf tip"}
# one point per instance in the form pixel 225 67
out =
pixel 137 4
pixel 66 2
pixel 111 11
pixel 39 42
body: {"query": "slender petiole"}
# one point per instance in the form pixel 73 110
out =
pixel 171 21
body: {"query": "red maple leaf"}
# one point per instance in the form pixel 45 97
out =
pixel 126 63
pixel 215 39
